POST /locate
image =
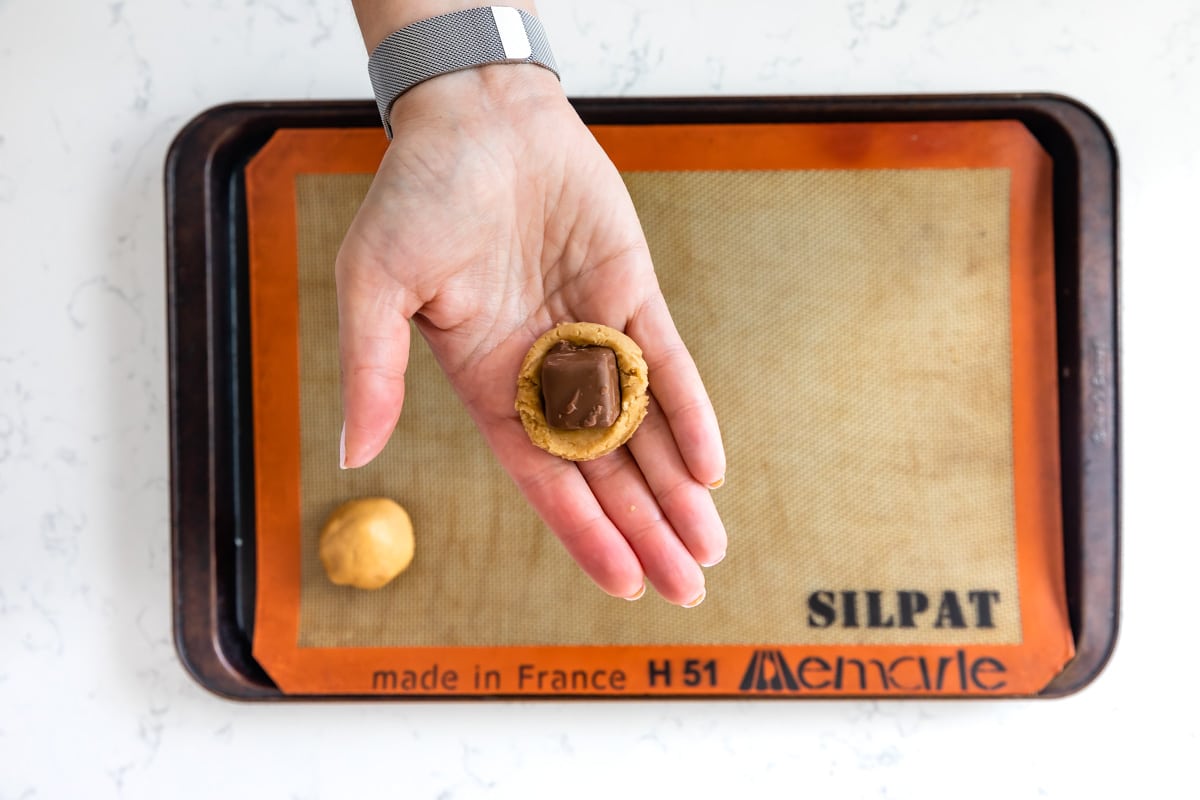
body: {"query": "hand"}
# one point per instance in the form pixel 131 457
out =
pixel 495 215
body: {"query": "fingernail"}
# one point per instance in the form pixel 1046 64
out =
pixel 697 601
pixel 638 594
pixel 714 562
pixel 342 448
pixel 718 483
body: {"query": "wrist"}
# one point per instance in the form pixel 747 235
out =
pixel 489 91
pixel 474 61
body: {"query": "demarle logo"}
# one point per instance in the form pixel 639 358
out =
pixel 768 672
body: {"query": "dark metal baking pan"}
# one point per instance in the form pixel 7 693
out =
pixel 212 487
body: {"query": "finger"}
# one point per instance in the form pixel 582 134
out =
pixel 686 503
pixel 563 499
pixel 374 338
pixel 676 385
pixel 626 499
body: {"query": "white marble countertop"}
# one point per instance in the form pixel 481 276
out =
pixel 93 700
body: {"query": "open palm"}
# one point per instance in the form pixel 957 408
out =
pixel 493 216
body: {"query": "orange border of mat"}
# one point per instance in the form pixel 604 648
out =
pixel 707 670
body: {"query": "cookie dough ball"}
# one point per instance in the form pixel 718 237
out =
pixel 367 542
pixel 584 443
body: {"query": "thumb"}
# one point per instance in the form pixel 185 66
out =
pixel 373 340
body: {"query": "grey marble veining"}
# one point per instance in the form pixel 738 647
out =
pixel 93 701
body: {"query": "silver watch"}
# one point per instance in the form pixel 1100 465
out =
pixel 451 42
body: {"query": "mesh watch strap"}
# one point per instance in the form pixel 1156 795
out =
pixel 450 42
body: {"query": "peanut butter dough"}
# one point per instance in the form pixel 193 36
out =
pixel 586 443
pixel 366 542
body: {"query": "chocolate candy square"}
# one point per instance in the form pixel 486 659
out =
pixel 581 387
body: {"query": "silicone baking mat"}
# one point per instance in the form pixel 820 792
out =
pixel 871 306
